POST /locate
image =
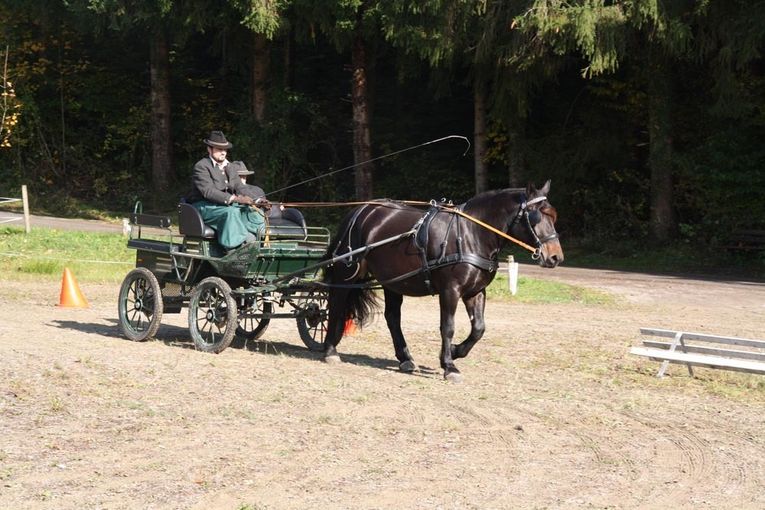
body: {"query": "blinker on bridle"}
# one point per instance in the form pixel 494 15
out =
pixel 533 217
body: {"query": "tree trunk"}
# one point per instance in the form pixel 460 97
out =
pixel 479 135
pixel 362 145
pixel 663 223
pixel 516 137
pixel 289 59
pixel 260 67
pixel 161 138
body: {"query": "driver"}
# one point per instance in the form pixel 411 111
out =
pixel 221 197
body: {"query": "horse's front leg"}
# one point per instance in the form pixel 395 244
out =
pixel 393 302
pixel 475 307
pixel 448 301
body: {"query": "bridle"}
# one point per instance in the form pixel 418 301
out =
pixel 532 217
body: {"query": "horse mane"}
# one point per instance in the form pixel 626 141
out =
pixel 487 201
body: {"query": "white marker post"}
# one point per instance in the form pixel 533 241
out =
pixel 512 274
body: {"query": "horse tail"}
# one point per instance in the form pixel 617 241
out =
pixel 361 305
pixel 361 302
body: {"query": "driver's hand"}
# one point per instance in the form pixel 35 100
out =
pixel 263 203
pixel 243 199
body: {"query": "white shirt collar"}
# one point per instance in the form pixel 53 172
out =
pixel 221 165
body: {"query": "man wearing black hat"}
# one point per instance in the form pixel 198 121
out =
pixel 222 198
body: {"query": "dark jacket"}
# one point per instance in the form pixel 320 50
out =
pixel 209 183
pixel 254 192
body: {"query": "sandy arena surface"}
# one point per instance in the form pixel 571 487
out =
pixel 553 412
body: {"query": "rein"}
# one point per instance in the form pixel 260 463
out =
pixel 495 230
pixel 446 207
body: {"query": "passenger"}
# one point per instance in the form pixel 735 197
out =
pixel 251 190
pixel 221 197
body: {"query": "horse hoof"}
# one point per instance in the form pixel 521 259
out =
pixel 332 359
pixel 454 377
pixel 407 366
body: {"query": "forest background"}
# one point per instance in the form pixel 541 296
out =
pixel 648 116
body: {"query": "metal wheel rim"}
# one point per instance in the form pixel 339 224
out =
pixel 212 304
pixel 140 305
pixel 313 327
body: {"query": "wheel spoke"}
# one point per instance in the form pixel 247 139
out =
pixel 140 304
pixel 136 320
pixel 212 310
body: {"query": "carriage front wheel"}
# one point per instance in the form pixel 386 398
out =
pixel 212 315
pixel 312 322
pixel 140 305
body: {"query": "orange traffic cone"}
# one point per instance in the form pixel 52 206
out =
pixel 349 328
pixel 70 292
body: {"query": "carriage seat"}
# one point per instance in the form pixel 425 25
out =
pixel 287 223
pixel 190 222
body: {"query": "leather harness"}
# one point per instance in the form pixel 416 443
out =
pixel 420 233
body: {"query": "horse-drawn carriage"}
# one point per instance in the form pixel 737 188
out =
pixel 228 293
pixel 449 250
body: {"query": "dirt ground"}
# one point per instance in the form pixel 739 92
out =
pixel 553 412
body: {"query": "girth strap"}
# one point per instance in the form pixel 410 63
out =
pixel 448 260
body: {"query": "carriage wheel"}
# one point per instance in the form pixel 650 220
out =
pixel 212 315
pixel 252 328
pixel 312 326
pixel 140 305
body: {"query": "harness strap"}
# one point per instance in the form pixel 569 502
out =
pixel 348 232
pixel 449 260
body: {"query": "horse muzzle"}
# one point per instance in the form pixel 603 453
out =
pixel 551 254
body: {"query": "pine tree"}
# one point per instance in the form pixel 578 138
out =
pixel 653 37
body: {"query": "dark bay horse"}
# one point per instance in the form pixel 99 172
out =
pixel 416 253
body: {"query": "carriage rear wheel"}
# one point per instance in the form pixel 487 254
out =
pixel 312 324
pixel 212 315
pixel 252 328
pixel 140 305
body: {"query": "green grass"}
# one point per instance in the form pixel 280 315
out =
pixel 44 253
pixel 531 290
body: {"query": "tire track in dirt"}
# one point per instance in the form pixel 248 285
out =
pixel 555 419
pixel 702 473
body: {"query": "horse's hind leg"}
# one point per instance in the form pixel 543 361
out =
pixel 475 307
pixel 393 302
pixel 337 311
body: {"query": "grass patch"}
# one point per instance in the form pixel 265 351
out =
pixel 46 252
pixel 105 257
pixel 531 290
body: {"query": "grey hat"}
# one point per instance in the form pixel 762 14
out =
pixel 241 169
pixel 217 139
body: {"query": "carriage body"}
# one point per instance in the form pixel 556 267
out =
pixel 227 293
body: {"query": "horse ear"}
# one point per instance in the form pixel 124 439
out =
pixel 545 189
pixel 530 189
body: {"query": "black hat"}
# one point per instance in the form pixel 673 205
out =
pixel 241 169
pixel 217 139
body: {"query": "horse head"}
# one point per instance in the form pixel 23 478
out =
pixel 537 217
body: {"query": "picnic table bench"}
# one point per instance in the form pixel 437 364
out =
pixel 704 350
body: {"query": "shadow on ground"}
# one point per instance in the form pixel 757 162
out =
pixel 176 336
